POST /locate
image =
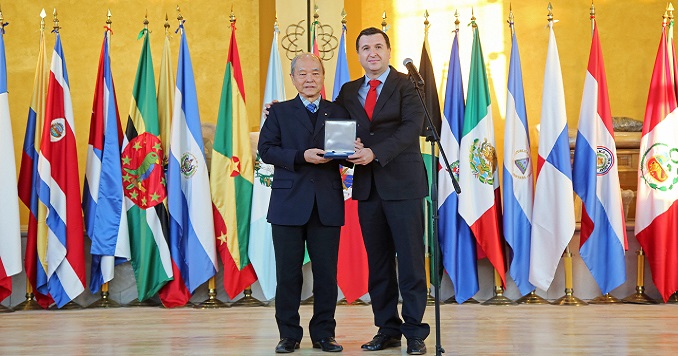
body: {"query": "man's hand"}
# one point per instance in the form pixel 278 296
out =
pixel 268 106
pixel 315 156
pixel 362 156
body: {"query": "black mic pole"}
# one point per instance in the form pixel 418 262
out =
pixel 434 138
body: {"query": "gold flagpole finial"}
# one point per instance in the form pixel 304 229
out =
pixel 670 9
pixel 592 15
pixel 167 24
pixel 511 19
pixel 146 20
pixel 384 24
pixel 473 19
pixel 2 20
pixel 549 17
pixel 665 17
pixel 179 16
pixel 43 14
pixel 426 23
pixel 456 20
pixel 55 26
pixel 275 24
pixel 343 16
pixel 108 19
pixel 231 17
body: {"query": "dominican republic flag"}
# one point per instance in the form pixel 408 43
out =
pixel 656 208
pixel 29 183
pixel 260 248
pixel 595 177
pixel 457 244
pixel 352 269
pixel 103 198
pixel 232 178
pixel 59 189
pixel 10 238
pixel 553 209
pixel 480 202
pixel 188 186
pixel 518 179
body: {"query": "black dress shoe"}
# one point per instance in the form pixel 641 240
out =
pixel 380 342
pixel 328 344
pixel 416 346
pixel 286 345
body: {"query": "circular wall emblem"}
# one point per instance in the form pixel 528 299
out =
pixel 483 157
pixel 604 160
pixel 57 129
pixel 658 167
pixel 188 165
pixel 143 179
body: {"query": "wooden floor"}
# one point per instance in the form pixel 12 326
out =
pixel 466 330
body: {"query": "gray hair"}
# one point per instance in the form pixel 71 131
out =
pixel 306 54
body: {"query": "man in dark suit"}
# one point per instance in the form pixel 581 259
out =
pixel 306 206
pixel 389 183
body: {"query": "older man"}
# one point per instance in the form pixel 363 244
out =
pixel 306 207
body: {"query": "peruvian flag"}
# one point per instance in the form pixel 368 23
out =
pixel 656 209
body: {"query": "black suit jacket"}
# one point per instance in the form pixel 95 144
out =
pixel 297 187
pixel 393 135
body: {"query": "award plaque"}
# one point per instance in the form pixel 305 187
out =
pixel 339 138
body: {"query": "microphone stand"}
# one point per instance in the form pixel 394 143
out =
pixel 434 138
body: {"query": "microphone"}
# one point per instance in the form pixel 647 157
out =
pixel 414 73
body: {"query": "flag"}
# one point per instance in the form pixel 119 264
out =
pixel 232 178
pixel 10 239
pixel 656 202
pixel 457 244
pixel 553 209
pixel 188 193
pixel 36 238
pixel 478 171
pixel 166 86
pixel 595 178
pixel 352 269
pixel 59 189
pixel 102 199
pixel 260 247
pixel 433 105
pixel 518 180
pixel 144 183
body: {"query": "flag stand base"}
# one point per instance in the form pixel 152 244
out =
pixel 673 299
pixel 453 300
pixel 569 299
pixel 248 300
pixel 139 304
pixel 499 298
pixel 450 300
pixel 430 300
pixel 532 298
pixel 68 306
pixel 639 297
pixel 28 304
pixel 357 302
pixel 605 299
pixel 4 309
pixel 308 301
pixel 211 302
pixel 104 302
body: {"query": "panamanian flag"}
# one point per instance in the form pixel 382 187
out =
pixel 59 189
pixel 103 199
pixel 595 178
pixel 188 186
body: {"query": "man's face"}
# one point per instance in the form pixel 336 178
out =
pixel 308 77
pixel 373 53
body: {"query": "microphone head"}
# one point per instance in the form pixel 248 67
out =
pixel 407 61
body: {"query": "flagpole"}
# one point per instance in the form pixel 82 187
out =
pixel 30 303
pixel 568 298
pixel 673 299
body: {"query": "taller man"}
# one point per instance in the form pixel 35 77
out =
pixel 390 183
pixel 307 205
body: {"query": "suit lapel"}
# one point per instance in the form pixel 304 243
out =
pixel 353 104
pixel 301 114
pixel 323 115
pixel 386 92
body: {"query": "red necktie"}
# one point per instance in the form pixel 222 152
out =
pixel 371 99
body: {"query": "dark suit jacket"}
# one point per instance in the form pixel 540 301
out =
pixel 393 135
pixel 297 187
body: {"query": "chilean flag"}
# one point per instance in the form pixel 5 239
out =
pixel 596 180
pixel 59 189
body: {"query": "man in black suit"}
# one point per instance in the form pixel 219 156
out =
pixel 306 206
pixel 389 183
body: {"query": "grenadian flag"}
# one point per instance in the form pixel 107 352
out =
pixel 518 179
pixel 260 250
pixel 595 177
pixel 553 209
pixel 457 244
pixel 480 202
pixel 232 178
pixel 103 199
pixel 59 189
pixel 657 197
pixel 36 237
pixel 10 238
pixel 188 187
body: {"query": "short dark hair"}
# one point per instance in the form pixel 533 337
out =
pixel 369 32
